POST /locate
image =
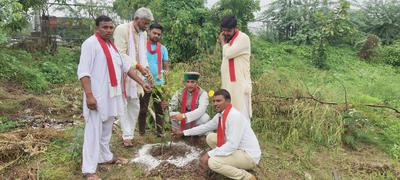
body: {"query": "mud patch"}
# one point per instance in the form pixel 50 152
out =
pixel 178 154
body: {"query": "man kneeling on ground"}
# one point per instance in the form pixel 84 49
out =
pixel 188 106
pixel 235 146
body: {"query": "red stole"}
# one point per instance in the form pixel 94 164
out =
pixel 158 51
pixel 231 61
pixel 222 125
pixel 110 65
pixel 192 105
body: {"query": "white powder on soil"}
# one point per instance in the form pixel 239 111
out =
pixel 144 157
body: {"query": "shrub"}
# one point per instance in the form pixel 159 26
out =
pixel 319 56
pixel 12 69
pixel 391 54
pixel 368 49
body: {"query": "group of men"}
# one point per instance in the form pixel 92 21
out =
pixel 117 81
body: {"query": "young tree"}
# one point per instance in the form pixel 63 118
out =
pixel 381 18
pixel 242 9
pixel 12 18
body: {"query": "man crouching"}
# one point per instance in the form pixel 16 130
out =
pixel 235 146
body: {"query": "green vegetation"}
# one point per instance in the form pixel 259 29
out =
pixel 326 85
pixel 36 71
pixel 293 90
pixel 6 124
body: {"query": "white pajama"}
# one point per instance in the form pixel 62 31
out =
pixel 96 142
pixel 109 101
pixel 132 47
pixel 130 117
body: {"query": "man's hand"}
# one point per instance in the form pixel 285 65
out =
pixel 176 133
pixel 146 87
pixel 164 104
pixel 91 101
pixel 203 162
pixel 148 75
pixel 178 117
pixel 222 39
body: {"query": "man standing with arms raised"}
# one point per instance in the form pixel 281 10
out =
pixel 235 67
pixel 130 39
pixel 100 71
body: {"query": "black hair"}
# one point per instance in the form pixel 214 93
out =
pixel 102 18
pixel 156 26
pixel 228 22
pixel 224 93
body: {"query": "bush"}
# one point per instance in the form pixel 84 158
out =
pixel 368 49
pixel 319 56
pixel 36 72
pixel 391 54
pixel 356 125
pixel 12 69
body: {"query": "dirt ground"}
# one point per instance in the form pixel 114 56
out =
pixel 24 151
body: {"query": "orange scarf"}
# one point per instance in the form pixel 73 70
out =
pixel 110 65
pixel 222 125
pixel 231 61
pixel 158 51
pixel 192 105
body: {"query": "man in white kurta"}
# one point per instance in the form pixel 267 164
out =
pixel 102 101
pixel 130 39
pixel 238 150
pixel 194 117
pixel 235 67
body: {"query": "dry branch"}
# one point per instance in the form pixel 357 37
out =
pixel 324 102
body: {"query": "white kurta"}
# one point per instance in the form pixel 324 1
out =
pixel 240 89
pixel 93 64
pixel 121 40
pixel 132 55
pixel 98 123
pixel 238 135
pixel 199 115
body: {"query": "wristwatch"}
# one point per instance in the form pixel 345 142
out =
pixel 183 116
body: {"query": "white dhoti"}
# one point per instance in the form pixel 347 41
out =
pixel 130 117
pixel 96 143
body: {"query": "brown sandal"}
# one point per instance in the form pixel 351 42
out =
pixel 128 143
pixel 92 176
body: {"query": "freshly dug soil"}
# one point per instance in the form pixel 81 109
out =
pixel 164 152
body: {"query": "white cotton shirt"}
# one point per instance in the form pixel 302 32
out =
pixel 93 64
pixel 191 115
pixel 238 135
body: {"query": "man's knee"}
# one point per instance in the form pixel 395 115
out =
pixel 213 164
pixel 211 140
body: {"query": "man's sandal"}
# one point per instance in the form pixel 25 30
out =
pixel 92 176
pixel 115 160
pixel 127 143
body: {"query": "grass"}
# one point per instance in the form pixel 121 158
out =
pixel 299 136
pixel 286 71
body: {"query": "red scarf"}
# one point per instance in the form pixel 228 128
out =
pixel 158 51
pixel 192 105
pixel 221 126
pixel 231 62
pixel 110 65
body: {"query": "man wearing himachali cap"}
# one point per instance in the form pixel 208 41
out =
pixel 188 106
pixel 235 146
